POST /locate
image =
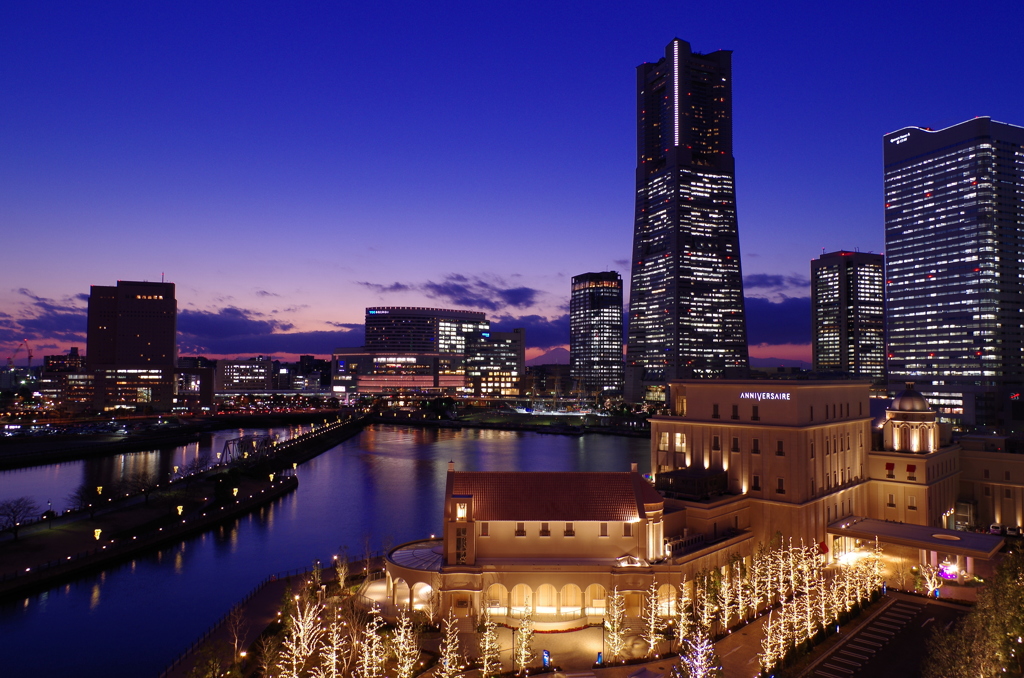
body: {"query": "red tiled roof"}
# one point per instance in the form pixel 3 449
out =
pixel 522 496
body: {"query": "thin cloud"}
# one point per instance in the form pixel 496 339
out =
pixel 464 291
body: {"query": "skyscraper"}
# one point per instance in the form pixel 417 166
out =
pixel 131 346
pixel 686 316
pixel 595 332
pixel 954 241
pixel 848 313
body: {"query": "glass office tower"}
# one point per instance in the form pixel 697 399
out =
pixel 848 313
pixel 954 240
pixel 686 316
pixel 595 332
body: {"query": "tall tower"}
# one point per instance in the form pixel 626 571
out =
pixel 954 241
pixel 131 346
pixel 595 332
pixel 686 317
pixel 848 313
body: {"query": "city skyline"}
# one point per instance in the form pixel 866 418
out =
pixel 248 157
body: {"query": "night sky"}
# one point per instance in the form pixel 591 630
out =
pixel 289 164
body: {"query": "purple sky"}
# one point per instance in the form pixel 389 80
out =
pixel 289 164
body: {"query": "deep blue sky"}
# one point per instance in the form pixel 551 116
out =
pixel 288 164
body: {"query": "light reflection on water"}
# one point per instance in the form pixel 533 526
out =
pixel 383 487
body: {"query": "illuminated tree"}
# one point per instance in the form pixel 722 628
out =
pixel 684 611
pixel 301 641
pixel 372 653
pixel 652 622
pixel 490 662
pixel 450 663
pixel 337 648
pixel 406 646
pixel 524 639
pixel 726 601
pixel 615 624
pixel 699 659
pixel 930 579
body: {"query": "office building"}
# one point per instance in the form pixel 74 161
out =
pixel 131 347
pixel 497 364
pixel 254 374
pixel 954 221
pixel 686 314
pixel 418 350
pixel 595 332
pixel 848 313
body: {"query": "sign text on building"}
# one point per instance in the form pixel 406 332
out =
pixel 763 395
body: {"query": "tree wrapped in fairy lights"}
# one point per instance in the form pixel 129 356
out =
pixel 405 646
pixel 490 648
pixel 449 665
pixel 652 620
pixel 615 624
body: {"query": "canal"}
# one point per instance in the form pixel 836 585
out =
pixel 379 489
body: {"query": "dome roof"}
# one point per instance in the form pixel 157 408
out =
pixel 910 401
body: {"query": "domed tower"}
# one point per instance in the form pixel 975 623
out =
pixel 910 424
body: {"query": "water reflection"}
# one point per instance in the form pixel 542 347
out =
pixel 51 485
pixel 382 487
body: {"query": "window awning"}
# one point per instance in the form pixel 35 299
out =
pixel 890 466
pixel 911 468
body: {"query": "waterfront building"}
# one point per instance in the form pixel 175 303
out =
pixel 496 365
pixel 428 350
pixel 686 312
pixel 131 347
pixel 559 543
pixel 423 330
pixel 954 214
pixel 801 457
pixel 848 313
pixel 595 332
pixel 357 370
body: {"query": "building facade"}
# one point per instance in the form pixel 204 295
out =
pixel 848 313
pixel 131 347
pixel 423 330
pixel 496 365
pixel 735 465
pixel 954 219
pixel 686 311
pixel 595 332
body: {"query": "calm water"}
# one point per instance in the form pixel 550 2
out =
pixel 382 487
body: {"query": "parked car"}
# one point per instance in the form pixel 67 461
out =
pixel 995 528
pixel 1012 531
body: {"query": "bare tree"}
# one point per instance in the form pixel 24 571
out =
pixel 490 648
pixel 84 497
pixel 267 649
pixel 237 627
pixel 14 512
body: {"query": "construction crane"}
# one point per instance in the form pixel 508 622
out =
pixel 28 350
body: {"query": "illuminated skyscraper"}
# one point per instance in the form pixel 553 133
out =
pixel 848 313
pixel 954 242
pixel 686 316
pixel 595 332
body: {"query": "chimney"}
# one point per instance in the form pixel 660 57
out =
pixel 632 467
pixel 451 466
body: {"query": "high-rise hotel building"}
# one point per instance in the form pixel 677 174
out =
pixel 954 240
pixel 848 313
pixel 686 316
pixel 595 332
